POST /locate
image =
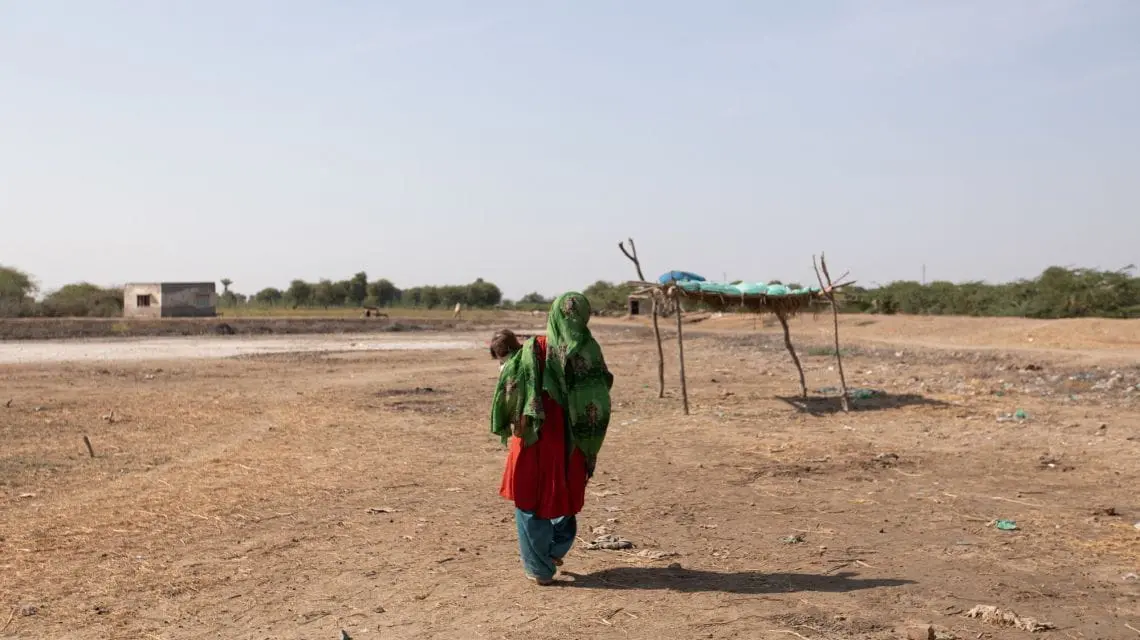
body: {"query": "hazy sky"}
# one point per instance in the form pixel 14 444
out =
pixel 436 141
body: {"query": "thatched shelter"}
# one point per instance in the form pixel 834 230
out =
pixel 718 296
pixel 779 300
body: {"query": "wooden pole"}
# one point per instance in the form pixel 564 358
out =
pixel 681 357
pixel 792 350
pixel 632 255
pixel 660 353
pixel 90 449
pixel 829 291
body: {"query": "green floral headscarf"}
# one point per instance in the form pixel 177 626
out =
pixel 574 374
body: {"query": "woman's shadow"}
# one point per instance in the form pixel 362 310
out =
pixel 743 582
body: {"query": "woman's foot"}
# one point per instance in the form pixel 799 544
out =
pixel 556 562
pixel 542 582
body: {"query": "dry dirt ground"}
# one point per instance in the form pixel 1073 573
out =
pixel 296 495
pixel 62 328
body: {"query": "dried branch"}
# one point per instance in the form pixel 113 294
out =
pixel 681 357
pixel 783 318
pixel 829 293
pixel 632 255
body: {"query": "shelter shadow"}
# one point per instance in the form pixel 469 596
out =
pixel 743 582
pixel 823 405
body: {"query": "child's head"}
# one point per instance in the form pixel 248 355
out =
pixel 503 344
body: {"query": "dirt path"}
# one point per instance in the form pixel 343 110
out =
pixel 295 495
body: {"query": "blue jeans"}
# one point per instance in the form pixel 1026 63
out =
pixel 541 541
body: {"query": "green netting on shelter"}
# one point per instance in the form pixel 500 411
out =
pixel 744 288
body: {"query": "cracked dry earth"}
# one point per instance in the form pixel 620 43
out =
pixel 296 495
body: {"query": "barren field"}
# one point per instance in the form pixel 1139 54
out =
pixel 293 495
pixel 118 328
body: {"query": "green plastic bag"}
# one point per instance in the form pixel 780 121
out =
pixel 1006 525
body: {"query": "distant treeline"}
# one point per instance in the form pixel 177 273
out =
pixel 18 296
pixel 1058 292
pixel 17 291
pixel 358 291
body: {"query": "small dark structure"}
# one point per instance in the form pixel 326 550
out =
pixel 634 305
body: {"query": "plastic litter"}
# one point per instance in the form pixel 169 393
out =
pixel 720 287
pixel 752 288
pixel 1005 618
pixel 1005 525
pixel 694 283
pixel 1017 416
pixel 609 542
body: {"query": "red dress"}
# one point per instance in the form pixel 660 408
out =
pixel 537 478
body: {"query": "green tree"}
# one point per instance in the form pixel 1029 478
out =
pixel 230 299
pixel 269 296
pixel 483 294
pixel 413 296
pixel 83 299
pixel 432 297
pixel 1059 292
pixel 338 293
pixel 450 295
pixel 226 282
pixel 606 296
pixel 357 289
pixel 299 294
pixel 323 293
pixel 383 292
pixel 16 291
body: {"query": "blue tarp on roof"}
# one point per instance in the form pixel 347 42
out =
pixel 679 276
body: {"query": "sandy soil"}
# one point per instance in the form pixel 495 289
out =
pixel 295 495
pixel 219 347
pixel 1095 338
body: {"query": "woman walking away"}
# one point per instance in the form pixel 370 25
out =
pixel 552 405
